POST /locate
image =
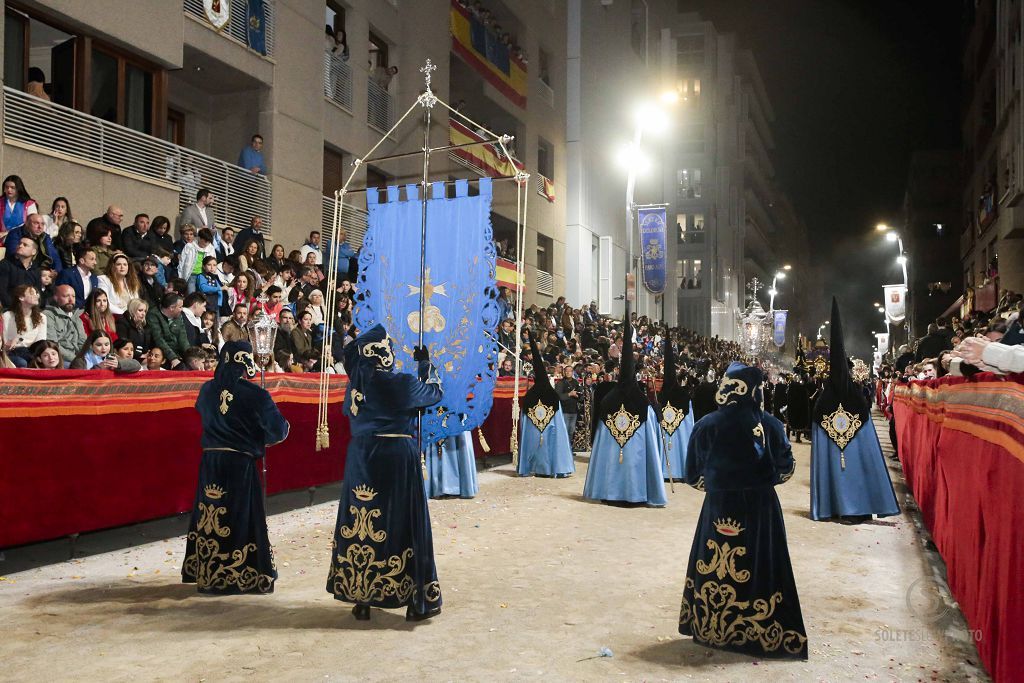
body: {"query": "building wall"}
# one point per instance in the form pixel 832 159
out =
pixel 993 144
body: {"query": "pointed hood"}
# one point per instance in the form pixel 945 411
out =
pixel 541 391
pixel 671 391
pixel 627 393
pixel 839 389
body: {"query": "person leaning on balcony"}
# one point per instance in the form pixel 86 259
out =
pixel 112 220
pixel 382 75
pixel 36 83
pixel 251 156
pixel 168 328
pixel 199 214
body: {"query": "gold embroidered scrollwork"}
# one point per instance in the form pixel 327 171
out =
pixel 841 426
pixel 671 418
pixel 541 415
pixel 212 568
pixel 718 617
pixel 622 425
pixel 728 388
pixel 358 575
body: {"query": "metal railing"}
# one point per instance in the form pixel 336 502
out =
pixel 545 283
pixel 338 80
pixel 379 106
pixel 70 133
pixel 353 220
pixel 237 29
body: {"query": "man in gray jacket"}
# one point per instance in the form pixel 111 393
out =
pixel 63 324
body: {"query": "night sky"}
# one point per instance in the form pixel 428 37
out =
pixel 857 86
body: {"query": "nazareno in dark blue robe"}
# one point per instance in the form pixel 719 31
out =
pixel 383 549
pixel 739 593
pixel 227 549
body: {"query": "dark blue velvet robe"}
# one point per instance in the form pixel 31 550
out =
pixel 383 550
pixel 228 550
pixel 740 594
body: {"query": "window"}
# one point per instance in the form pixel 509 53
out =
pixel 690 51
pixel 691 138
pixel 334 15
pixel 544 67
pixel 595 261
pixel 689 183
pixel 545 158
pixel 688 273
pixel 121 91
pixel 691 227
pixel 378 51
pixel 604 292
pixel 689 89
pixel 175 130
pixel 545 253
pixel 638 28
pixel 334 171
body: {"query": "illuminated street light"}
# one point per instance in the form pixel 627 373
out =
pixel 881 227
pixel 901 259
pixel 647 116
pixel 787 267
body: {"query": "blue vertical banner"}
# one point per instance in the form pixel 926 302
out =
pixel 460 296
pixel 779 328
pixel 653 256
pixel 256 26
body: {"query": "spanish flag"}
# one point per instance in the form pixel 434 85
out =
pixel 505 275
pixel 480 48
pixel 547 188
pixel 488 158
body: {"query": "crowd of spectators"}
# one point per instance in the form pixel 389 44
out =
pixel 486 18
pixel 139 297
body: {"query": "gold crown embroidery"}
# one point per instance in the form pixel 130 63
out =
pixel 214 492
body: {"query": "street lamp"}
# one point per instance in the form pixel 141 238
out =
pixel 648 117
pixel 893 236
pixel 779 275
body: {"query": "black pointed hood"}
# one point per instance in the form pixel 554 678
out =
pixel 671 391
pixel 839 388
pixel 541 391
pixel 627 393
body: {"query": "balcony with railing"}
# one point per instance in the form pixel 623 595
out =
pixel 244 24
pixel 484 159
pixel 338 80
pixel 55 130
pixel 380 106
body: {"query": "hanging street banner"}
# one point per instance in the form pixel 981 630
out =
pixel 779 328
pixel 882 342
pixel 895 303
pixel 652 248
pixel 256 26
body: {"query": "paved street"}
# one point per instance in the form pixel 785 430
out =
pixel 535 580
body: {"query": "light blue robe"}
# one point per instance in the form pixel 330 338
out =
pixel 638 478
pixel 553 457
pixel 676 454
pixel 863 488
pixel 453 473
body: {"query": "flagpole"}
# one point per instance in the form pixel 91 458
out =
pixel 423 252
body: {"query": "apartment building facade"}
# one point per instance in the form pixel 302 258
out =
pixel 992 229
pixel 154 99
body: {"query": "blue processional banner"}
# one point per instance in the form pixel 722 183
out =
pixel 461 306
pixel 779 328
pixel 652 248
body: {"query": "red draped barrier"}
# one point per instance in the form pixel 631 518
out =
pixel 961 443
pixel 87 450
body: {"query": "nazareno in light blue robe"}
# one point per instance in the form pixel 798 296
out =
pixel 863 488
pixel 674 448
pixel 638 478
pixel 550 456
pixel 453 472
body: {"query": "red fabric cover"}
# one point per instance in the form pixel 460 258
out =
pixel 65 474
pixel 969 488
